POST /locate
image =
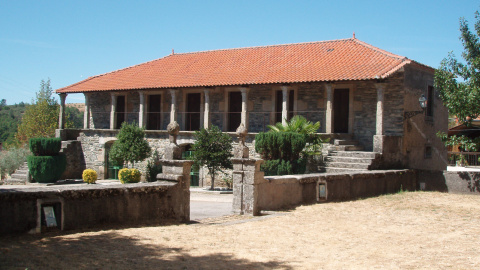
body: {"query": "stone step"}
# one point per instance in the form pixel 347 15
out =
pixel 355 154
pixel 345 148
pixel 348 165
pixel 13 181
pixel 348 159
pixel 340 170
pixel 346 142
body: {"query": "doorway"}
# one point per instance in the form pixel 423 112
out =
pixel 234 110
pixel 341 110
pixel 193 112
pixel 154 112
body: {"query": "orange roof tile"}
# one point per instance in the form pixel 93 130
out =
pixel 336 60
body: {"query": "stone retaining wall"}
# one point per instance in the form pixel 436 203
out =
pixel 89 206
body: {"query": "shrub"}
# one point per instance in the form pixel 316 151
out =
pixel 11 160
pixel 129 176
pixel 131 145
pixel 153 167
pixel 45 146
pixel 46 169
pixel 89 176
pixel 282 152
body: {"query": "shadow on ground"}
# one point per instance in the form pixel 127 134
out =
pixel 109 250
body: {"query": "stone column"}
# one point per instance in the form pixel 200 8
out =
pixel 244 115
pixel 141 112
pixel 173 108
pixel 113 114
pixel 206 109
pixel 86 114
pixel 380 112
pixel 284 105
pixel 329 109
pixel 61 118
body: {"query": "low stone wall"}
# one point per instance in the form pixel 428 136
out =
pixel 282 192
pixel 89 206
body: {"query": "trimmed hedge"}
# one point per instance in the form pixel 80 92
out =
pixel 46 169
pixel 45 146
pixel 281 152
pixel 129 175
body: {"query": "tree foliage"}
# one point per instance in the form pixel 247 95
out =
pixel 130 145
pixel 212 149
pixel 458 82
pixel 40 118
pixel 297 124
pixel 10 117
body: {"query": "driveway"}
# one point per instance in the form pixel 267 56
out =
pixel 209 205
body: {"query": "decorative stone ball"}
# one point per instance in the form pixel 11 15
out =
pixel 173 128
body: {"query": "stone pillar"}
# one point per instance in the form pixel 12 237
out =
pixel 178 171
pixel 329 109
pixel 380 112
pixel 141 112
pixel 173 108
pixel 113 114
pixel 206 109
pixel 246 180
pixel 244 115
pixel 86 114
pixel 61 118
pixel 172 150
pixel 284 105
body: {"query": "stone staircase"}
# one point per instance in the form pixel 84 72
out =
pixel 347 155
pixel 20 177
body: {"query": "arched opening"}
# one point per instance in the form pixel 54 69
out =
pixel 111 169
pixel 187 153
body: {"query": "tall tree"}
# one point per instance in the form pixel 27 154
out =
pixel 41 118
pixel 458 82
pixel 212 149
pixel 130 146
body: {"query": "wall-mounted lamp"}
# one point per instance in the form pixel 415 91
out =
pixel 423 104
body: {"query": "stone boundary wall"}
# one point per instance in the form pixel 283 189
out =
pixel 282 192
pixel 452 182
pixel 89 206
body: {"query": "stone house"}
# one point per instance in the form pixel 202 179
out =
pixel 366 99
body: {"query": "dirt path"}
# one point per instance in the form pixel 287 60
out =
pixel 401 231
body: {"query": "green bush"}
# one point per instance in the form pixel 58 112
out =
pixel 129 176
pixel 11 160
pixel 282 145
pixel 45 146
pixel 282 152
pixel 283 167
pixel 46 169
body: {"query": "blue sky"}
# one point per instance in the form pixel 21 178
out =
pixel 68 41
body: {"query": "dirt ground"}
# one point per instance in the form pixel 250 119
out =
pixel 400 231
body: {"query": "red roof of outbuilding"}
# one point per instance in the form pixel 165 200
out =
pixel 336 60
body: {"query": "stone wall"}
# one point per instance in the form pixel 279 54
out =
pixel 90 206
pixel 420 130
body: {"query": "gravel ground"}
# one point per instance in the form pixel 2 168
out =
pixel 417 230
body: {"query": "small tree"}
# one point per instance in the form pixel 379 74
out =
pixel 212 149
pixel 40 118
pixel 130 145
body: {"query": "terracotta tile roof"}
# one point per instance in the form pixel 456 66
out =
pixel 336 60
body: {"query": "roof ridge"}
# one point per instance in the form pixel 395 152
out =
pixel 266 46
pixel 387 53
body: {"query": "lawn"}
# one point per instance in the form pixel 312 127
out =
pixel 404 231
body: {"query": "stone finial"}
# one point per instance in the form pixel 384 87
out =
pixel 173 129
pixel 242 134
pixel 241 151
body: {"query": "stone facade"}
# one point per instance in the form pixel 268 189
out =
pixel 402 141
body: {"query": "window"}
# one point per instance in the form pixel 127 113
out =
pixel 430 97
pixel 428 151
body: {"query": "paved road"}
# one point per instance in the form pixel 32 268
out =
pixel 203 205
